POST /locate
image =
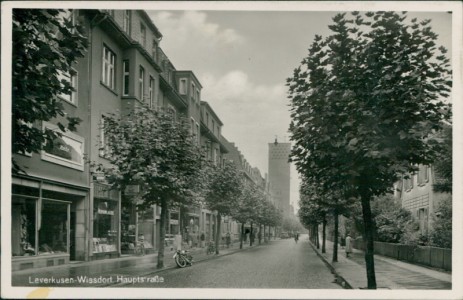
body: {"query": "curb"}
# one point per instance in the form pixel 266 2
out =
pixel 339 279
pixel 214 256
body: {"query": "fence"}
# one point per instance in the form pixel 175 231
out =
pixel 429 256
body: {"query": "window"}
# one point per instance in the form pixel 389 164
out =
pixel 143 34
pixel 408 183
pixel 213 126
pixel 218 131
pixel 108 67
pixel 54 229
pixel 69 79
pixel 182 87
pixel 193 91
pixel 65 16
pixel 141 83
pixel 207 119
pixel 197 95
pixel 39 231
pixel 198 133
pixel 126 24
pixel 192 126
pixel 125 78
pixel 151 92
pixel 423 175
pixel 215 157
pixel 104 226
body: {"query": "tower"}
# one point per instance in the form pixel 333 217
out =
pixel 279 174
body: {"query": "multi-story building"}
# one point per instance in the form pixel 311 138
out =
pixel 279 174
pixel 252 176
pixel 211 142
pixel 50 201
pixel 61 209
pixel 416 194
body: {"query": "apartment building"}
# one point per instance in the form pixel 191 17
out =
pixel 50 201
pixel 62 210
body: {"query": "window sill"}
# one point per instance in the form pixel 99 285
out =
pixel 110 89
pixel 67 101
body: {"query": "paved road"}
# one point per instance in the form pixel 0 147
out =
pixel 281 264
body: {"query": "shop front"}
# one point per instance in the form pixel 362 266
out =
pixel 105 239
pixel 42 232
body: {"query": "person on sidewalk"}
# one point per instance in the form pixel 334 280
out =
pixel 348 245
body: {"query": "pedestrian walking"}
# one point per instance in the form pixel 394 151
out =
pixel 228 239
pixel 348 245
pixel 296 237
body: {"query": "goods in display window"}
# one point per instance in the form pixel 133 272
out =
pixel 104 226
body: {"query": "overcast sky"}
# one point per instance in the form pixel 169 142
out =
pixel 242 59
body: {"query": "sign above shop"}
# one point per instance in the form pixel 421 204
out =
pixel 66 150
pixel 132 190
pixel 104 191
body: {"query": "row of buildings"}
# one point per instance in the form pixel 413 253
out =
pixel 61 209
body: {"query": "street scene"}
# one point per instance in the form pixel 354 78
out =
pixel 204 147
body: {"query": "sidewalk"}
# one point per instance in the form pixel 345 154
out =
pixel 390 273
pixel 105 271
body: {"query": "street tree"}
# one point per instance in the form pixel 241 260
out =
pixel 149 149
pixel 243 212
pixel 223 193
pixel 269 217
pixel 364 104
pixel 46 44
pixel 311 214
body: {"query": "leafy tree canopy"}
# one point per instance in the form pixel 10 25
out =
pixel 366 99
pixel 148 148
pixel 45 45
pixel 225 186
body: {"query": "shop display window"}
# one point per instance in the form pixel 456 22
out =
pixel 52 227
pixel 23 227
pixel 53 233
pixel 104 226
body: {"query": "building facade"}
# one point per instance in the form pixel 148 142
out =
pixel 279 174
pixel 62 209
pixel 416 194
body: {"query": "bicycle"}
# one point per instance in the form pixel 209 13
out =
pixel 210 248
pixel 183 258
pixel 139 248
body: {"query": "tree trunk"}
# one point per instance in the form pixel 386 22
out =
pixel 369 245
pixel 265 236
pixel 311 234
pixel 317 238
pixel 250 236
pixel 335 242
pixel 162 238
pixel 241 235
pixel 217 235
pixel 324 236
pixel 260 233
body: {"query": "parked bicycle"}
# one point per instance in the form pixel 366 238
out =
pixel 139 248
pixel 210 248
pixel 183 258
